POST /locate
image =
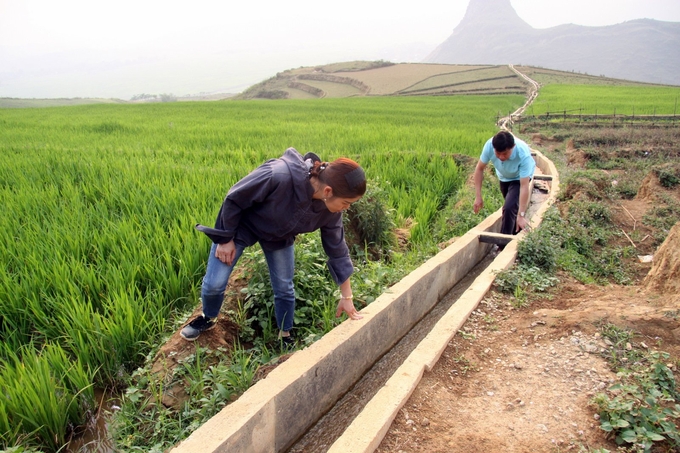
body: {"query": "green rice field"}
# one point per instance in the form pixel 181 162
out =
pixel 98 248
pixel 606 100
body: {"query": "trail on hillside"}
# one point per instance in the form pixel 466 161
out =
pixel 505 123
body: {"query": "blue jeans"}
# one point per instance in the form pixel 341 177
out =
pixel 281 265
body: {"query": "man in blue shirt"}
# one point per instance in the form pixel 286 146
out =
pixel 515 166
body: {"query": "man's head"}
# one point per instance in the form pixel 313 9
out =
pixel 503 143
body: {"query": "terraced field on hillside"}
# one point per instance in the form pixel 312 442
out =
pixel 381 78
pixel 387 79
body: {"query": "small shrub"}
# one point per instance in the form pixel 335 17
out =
pixel 371 221
pixel 576 265
pixel 273 94
pixel 522 281
pixel 539 250
pixel 589 213
pixel 668 174
pixel 577 243
pixel 610 263
pixel 627 189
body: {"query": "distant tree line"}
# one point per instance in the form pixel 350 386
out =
pixel 165 97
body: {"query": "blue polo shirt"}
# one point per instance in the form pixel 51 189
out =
pixel 519 165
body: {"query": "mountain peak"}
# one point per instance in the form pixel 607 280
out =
pixel 488 14
pixel 492 32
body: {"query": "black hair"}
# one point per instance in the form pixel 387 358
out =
pixel 503 141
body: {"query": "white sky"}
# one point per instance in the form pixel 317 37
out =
pixel 104 48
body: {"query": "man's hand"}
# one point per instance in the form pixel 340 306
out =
pixel 226 252
pixel 524 200
pixel 479 204
pixel 521 223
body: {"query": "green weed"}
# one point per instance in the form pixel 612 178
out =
pixel 465 365
pixel 577 243
pixel 524 282
pixel 212 379
pixel 594 184
pixel 467 335
pixel 644 407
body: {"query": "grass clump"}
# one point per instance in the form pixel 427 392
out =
pixel 534 273
pixel 523 282
pixel 371 223
pixel 579 241
pixel 668 174
pixel 30 405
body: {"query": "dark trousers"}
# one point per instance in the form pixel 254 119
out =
pixel 510 191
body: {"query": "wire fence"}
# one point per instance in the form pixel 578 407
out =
pixel 577 117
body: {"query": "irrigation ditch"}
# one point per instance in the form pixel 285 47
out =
pixel 341 393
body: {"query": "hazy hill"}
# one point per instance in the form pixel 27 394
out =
pixel 491 32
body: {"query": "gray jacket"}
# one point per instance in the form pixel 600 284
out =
pixel 272 205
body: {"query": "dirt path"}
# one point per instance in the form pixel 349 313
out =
pixel 505 122
pixel 521 380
